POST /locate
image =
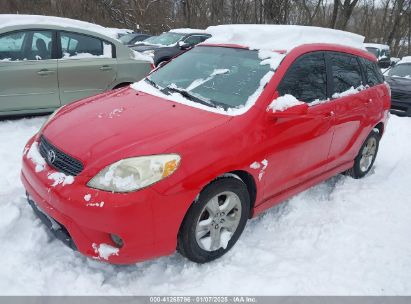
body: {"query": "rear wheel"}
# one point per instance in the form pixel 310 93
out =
pixel 215 221
pixel 366 157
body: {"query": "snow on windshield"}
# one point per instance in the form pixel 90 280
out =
pixel 221 80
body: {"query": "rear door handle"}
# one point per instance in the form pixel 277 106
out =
pixel 106 68
pixel 45 72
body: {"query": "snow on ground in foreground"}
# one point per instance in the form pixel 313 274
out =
pixel 343 236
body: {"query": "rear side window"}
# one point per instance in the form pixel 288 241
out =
pixel 76 46
pixel 306 79
pixel 373 74
pixel 346 72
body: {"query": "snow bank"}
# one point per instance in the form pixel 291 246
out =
pixel 280 37
pixel 15 19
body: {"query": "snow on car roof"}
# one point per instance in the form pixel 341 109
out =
pixel 280 37
pixel 377 46
pixel 16 19
pixel 188 31
pixel 405 59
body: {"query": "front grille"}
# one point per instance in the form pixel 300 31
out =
pixel 401 96
pixel 60 160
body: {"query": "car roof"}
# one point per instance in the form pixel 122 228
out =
pixel 10 22
pixel 280 37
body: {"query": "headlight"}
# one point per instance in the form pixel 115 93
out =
pixel 135 173
pixel 149 53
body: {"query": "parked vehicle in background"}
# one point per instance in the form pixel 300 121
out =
pixel 382 52
pixel 46 62
pixel 133 38
pixel 120 32
pixel 399 79
pixel 209 140
pixel 167 45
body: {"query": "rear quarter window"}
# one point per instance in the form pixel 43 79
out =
pixel 373 75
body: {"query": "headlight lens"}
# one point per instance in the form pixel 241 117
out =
pixel 135 173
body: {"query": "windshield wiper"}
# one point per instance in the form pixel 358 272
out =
pixel 148 80
pixel 191 97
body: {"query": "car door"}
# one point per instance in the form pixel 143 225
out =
pixel 298 146
pixel 87 66
pixel 28 71
pixel 350 98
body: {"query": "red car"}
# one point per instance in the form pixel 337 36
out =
pixel 182 159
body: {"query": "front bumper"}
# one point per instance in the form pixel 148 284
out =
pixel 147 221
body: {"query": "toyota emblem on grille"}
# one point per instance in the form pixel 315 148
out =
pixel 51 156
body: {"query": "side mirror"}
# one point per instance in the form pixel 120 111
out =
pixel 183 45
pixel 293 111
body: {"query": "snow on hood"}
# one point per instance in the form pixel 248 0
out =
pixel 405 59
pixel 15 19
pixel 280 37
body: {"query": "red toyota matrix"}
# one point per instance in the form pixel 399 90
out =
pixel 182 159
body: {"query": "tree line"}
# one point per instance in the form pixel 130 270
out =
pixel 380 21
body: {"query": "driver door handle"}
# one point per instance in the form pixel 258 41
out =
pixel 106 68
pixel 45 72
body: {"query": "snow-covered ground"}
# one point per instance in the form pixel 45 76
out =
pixel 342 237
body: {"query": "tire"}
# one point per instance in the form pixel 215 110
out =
pixel 198 236
pixel 365 159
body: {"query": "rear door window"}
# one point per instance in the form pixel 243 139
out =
pixel 346 72
pixel 306 79
pixel 78 46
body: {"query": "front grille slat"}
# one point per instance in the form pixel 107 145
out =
pixel 62 162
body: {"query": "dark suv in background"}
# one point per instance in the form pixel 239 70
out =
pixel 399 79
pixel 169 44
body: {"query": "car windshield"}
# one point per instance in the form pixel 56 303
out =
pixel 168 38
pixel 401 70
pixel 373 50
pixel 126 39
pixel 222 76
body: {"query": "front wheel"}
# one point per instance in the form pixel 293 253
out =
pixel 215 221
pixel 366 157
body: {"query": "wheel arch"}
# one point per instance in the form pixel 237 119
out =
pixel 380 128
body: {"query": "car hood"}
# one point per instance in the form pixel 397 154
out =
pixel 399 83
pixel 145 47
pixel 126 123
